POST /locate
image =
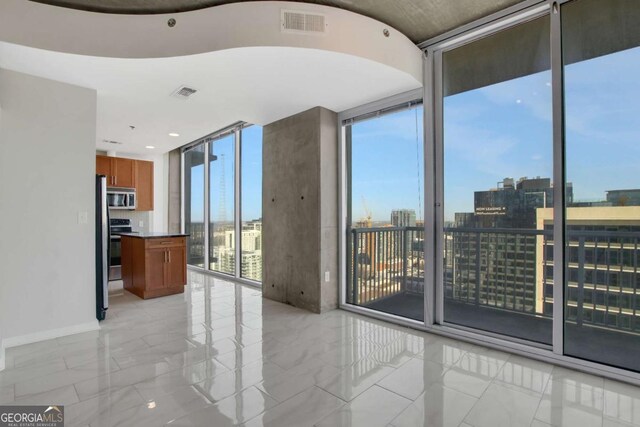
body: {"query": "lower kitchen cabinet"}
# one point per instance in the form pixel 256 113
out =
pixel 154 265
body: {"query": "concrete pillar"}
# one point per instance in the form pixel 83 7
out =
pixel 300 210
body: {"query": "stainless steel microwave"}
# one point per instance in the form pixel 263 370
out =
pixel 121 198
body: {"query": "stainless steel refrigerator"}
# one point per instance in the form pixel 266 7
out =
pixel 102 248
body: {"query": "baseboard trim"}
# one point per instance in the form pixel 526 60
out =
pixel 50 334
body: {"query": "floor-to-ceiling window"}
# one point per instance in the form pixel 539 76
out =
pixel 532 193
pixel 386 229
pixel 223 201
pixel 498 186
pixel 251 212
pixel 222 245
pixel 194 223
pixel 601 54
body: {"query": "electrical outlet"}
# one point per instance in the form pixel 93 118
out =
pixel 327 276
pixel 140 223
pixel 83 217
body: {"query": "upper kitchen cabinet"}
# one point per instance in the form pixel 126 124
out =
pixel 124 172
pixel 120 172
pixel 103 167
pixel 144 185
pixel 129 173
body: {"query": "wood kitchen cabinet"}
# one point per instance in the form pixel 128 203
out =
pixel 154 265
pixel 103 167
pixel 123 172
pixel 144 185
pixel 129 173
pixel 119 171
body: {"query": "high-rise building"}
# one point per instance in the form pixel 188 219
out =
pixel 501 259
pixel 224 250
pixel 251 267
pixel 403 218
pixel 490 261
pixel 602 267
pixel 512 205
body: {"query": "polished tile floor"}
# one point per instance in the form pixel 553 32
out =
pixel 220 355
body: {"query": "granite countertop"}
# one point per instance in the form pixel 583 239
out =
pixel 152 235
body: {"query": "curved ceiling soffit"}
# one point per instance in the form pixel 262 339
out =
pixel 230 26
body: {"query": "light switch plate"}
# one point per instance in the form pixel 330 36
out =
pixel 83 217
pixel 327 276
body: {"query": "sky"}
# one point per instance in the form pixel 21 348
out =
pixel 505 130
pixel 251 162
pixel 387 165
pixel 497 131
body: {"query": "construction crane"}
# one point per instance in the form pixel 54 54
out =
pixel 367 212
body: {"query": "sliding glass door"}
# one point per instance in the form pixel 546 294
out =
pixel 498 187
pixel 386 216
pixel 222 242
pixel 601 53
pixel 222 238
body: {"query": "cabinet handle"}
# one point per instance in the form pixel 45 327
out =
pixel 169 252
pixel 165 257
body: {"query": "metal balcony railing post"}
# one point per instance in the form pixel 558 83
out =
pixel 581 279
pixel 354 284
pixel 634 282
pixel 404 232
pixel 477 284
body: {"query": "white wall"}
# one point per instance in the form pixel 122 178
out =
pixel 2 362
pixel 47 170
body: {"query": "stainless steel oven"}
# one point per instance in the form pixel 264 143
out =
pixel 121 198
pixel 117 226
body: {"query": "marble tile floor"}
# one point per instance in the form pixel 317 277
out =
pixel 220 355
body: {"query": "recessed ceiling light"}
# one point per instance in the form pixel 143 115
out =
pixel 174 134
pixel 150 147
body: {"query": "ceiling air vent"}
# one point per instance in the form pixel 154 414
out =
pixel 295 21
pixel 109 141
pixel 184 92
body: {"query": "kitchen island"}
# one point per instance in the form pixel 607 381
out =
pixel 154 264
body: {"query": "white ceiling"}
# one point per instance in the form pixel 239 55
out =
pixel 254 84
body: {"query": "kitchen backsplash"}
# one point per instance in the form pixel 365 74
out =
pixel 136 218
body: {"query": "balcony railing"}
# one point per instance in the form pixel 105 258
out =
pixel 505 269
pixel 386 261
